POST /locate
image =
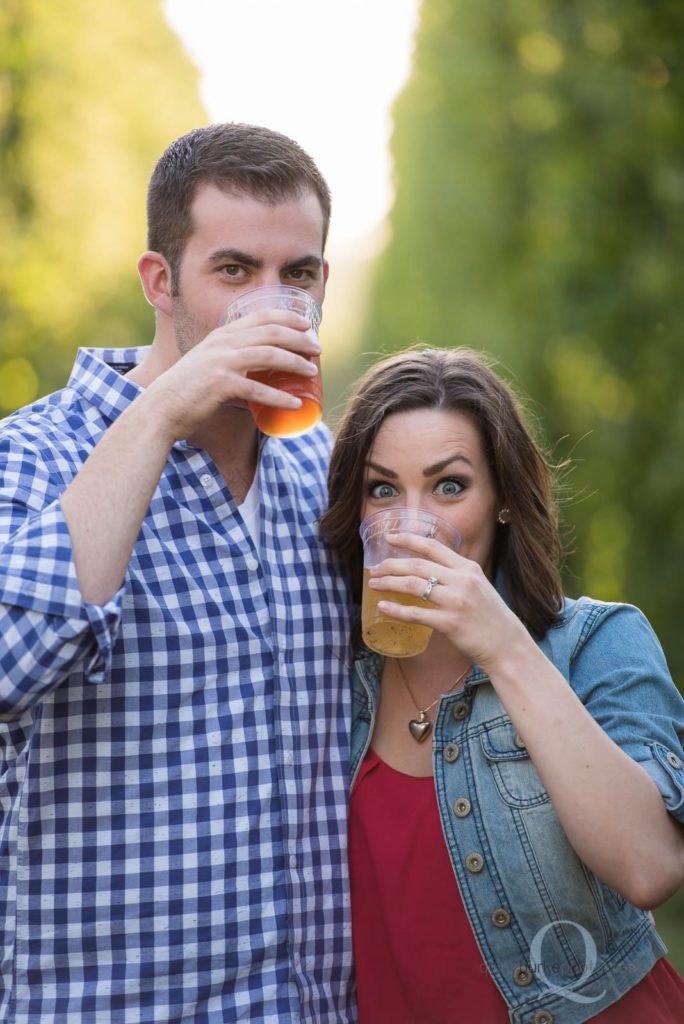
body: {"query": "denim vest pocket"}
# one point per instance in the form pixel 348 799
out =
pixel 516 778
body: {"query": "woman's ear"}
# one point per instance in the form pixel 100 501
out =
pixel 155 276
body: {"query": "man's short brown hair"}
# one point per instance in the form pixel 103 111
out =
pixel 242 158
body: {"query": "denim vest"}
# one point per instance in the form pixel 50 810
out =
pixel 559 943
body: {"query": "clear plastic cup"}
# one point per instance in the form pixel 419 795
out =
pixel 381 632
pixel 270 420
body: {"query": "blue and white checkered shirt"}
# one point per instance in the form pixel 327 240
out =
pixel 174 764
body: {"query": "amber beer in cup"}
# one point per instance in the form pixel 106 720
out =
pixel 381 632
pixel 284 422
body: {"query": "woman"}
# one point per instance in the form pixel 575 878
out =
pixel 503 869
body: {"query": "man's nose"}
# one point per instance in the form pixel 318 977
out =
pixel 268 278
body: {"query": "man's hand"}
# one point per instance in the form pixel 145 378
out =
pixel 216 371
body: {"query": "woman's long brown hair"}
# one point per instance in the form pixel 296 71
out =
pixel 527 549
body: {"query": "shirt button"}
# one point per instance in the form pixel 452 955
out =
pixel 523 976
pixel 474 863
pixel 293 861
pixel 207 481
pixel 675 761
pixel 460 710
pixel 500 918
pixel 519 741
pixel 543 1017
pixel 289 757
pixel 461 807
pixel 251 563
pixel 450 752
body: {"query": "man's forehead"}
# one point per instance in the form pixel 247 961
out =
pixel 228 220
pixel 209 197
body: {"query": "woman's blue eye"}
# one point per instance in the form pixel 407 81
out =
pixel 449 487
pixel 382 491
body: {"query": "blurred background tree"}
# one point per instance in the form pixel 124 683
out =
pixel 539 215
pixel 90 95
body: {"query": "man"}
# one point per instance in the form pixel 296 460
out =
pixel 173 684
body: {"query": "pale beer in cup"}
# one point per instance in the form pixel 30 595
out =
pixel 381 632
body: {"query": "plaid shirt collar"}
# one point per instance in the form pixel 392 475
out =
pixel 97 376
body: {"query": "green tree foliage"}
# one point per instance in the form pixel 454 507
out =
pixel 90 94
pixel 539 215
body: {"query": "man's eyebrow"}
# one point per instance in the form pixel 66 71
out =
pixel 303 261
pixel 235 256
pixel 439 466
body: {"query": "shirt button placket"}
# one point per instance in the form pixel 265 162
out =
pixel 474 862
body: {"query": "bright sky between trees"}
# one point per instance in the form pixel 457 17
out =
pixel 324 72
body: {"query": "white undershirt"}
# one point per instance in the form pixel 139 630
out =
pixel 249 510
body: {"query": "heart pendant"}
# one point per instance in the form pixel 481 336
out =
pixel 419 730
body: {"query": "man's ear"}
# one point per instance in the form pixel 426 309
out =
pixel 155 275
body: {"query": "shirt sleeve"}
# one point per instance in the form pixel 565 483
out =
pixel 620 673
pixel 47 630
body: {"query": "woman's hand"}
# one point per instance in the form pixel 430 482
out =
pixel 463 605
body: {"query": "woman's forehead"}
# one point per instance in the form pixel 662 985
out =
pixel 427 436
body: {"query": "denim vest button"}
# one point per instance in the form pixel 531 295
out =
pixel 500 918
pixel 523 976
pixel 519 741
pixel 460 710
pixel 675 761
pixel 543 1017
pixel 474 863
pixel 461 807
pixel 451 752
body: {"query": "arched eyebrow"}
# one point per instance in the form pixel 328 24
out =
pixel 382 470
pixel 429 471
pixel 439 466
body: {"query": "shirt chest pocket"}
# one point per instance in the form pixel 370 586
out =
pixel 514 775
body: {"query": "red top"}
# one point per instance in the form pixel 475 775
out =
pixel 416 957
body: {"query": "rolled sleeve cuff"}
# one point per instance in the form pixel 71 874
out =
pixel 37 573
pixel 104 622
pixel 666 768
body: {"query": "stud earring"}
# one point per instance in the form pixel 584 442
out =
pixel 504 515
